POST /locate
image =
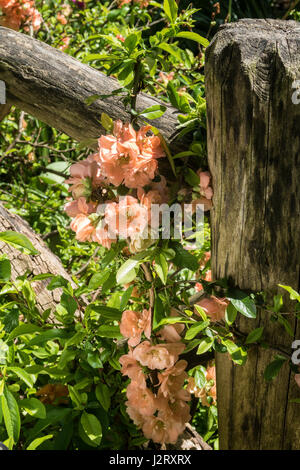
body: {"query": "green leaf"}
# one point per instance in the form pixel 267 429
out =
pixel 191 177
pixel 153 112
pixel 286 324
pixel 33 407
pixel 54 415
pixel 237 353
pixel 103 395
pixel 230 314
pixel 98 279
pixel 195 329
pixel 11 414
pixel 25 329
pixel 254 335
pixel 183 258
pixel 75 339
pixel 205 345
pixel 171 49
pixel 108 313
pixel 37 442
pixel 24 376
pixel 170 9
pixel 19 241
pixel 130 42
pixel 201 312
pixel 125 297
pixel 5 269
pixel 200 379
pixel 178 101
pixel 128 271
pixel 273 368
pixel 161 267
pixel 109 331
pixel 243 303
pixel 193 37
pixel 50 335
pixel 294 295
pixel 91 427
pixel 93 359
pixel 126 76
pixel 52 178
pixel 107 122
pixel 76 398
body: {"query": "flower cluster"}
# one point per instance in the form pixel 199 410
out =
pixel 156 399
pixel 126 157
pixel 17 13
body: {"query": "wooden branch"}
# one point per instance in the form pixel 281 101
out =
pixel 253 152
pixel 53 87
pixel 45 262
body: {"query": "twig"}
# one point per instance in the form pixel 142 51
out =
pixel 83 268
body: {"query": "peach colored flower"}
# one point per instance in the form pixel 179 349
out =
pixel 132 369
pixel 103 236
pixel 84 176
pixel 61 18
pixel 133 324
pixel 141 173
pixel 160 356
pixel 128 218
pixel 141 398
pixel 171 333
pixel 205 178
pixel 65 43
pixel 123 2
pixel 214 307
pixel 210 373
pixel 135 415
pixel 171 380
pixel 17 13
pixel 129 157
pixel 175 408
pixel 66 9
pixel 79 206
pixel 92 228
pixel 165 77
pixel 83 227
pixel 162 431
pixel 149 146
pixel 120 37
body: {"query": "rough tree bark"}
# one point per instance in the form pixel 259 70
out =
pixel 45 262
pixel 253 151
pixel 53 87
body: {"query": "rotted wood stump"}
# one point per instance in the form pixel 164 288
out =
pixel 254 151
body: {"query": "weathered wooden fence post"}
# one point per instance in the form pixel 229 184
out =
pixel 254 153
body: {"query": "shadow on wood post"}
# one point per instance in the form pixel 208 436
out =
pixel 254 152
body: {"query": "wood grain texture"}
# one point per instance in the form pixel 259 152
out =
pixel 53 86
pixel 45 262
pixel 254 152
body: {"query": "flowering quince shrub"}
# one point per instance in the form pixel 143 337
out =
pixel 20 13
pixel 126 358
